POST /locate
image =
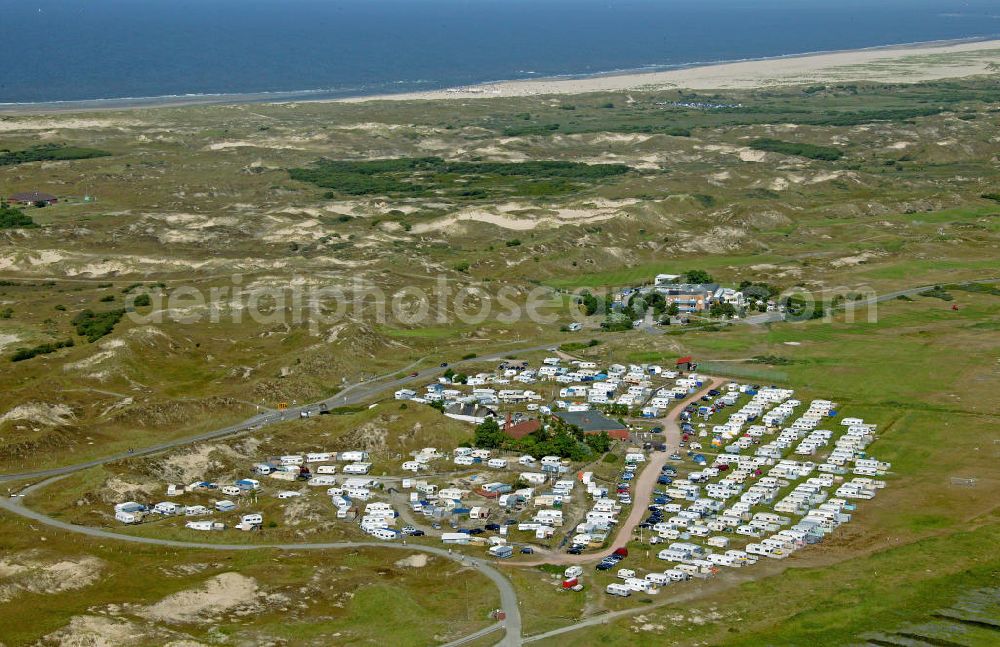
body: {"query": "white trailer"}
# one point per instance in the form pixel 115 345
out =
pixel 618 589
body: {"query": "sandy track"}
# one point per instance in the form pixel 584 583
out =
pixel 644 485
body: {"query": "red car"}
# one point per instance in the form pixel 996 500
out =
pixel 621 552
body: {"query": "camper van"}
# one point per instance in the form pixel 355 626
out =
pixel 385 534
pixel 618 589
pixel 658 579
pixel 205 525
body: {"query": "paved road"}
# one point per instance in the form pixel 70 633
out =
pixel 350 395
pixel 508 597
pixel 644 485
pixel 476 636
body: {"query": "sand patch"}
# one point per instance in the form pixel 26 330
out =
pixel 30 572
pixel 223 594
pixel 97 631
pixel 851 261
pixel 15 125
pixel 418 560
pixel 516 217
pixel 41 413
pixel 8 339
pixel 750 155
pixel 193 465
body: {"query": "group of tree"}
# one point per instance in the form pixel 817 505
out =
pixel 455 378
pixel 697 276
pixel 796 306
pixel 721 309
pixel 617 322
pixel 553 438
pixel 592 305
pixel 14 218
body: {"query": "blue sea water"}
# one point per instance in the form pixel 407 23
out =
pixel 69 50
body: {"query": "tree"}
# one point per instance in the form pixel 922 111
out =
pixel 697 276
pixel 488 435
pixel 599 443
pixel 637 308
pixel 673 309
pixel 591 304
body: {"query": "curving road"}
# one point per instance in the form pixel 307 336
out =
pixel 508 597
pixel 350 395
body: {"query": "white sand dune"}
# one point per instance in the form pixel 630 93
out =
pixel 908 64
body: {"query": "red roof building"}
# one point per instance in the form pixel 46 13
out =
pixel 521 429
pixel 31 197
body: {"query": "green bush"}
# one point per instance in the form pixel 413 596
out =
pixel 937 292
pixel 94 325
pixel 42 349
pixel 811 151
pixel 436 177
pixel 49 152
pixel 14 218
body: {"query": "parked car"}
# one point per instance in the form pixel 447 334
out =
pixel 493 526
pixel 417 533
pixel 475 531
pixel 575 550
pixel 621 553
pixel 527 550
pixel 408 530
pixel 656 430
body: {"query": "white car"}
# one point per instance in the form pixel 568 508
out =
pixel 408 530
pixel 288 494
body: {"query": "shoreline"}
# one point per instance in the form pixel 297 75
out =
pixel 784 69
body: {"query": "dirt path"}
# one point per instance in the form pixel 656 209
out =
pixel 644 485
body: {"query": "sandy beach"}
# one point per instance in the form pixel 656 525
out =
pixel 897 64
pixel 891 64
